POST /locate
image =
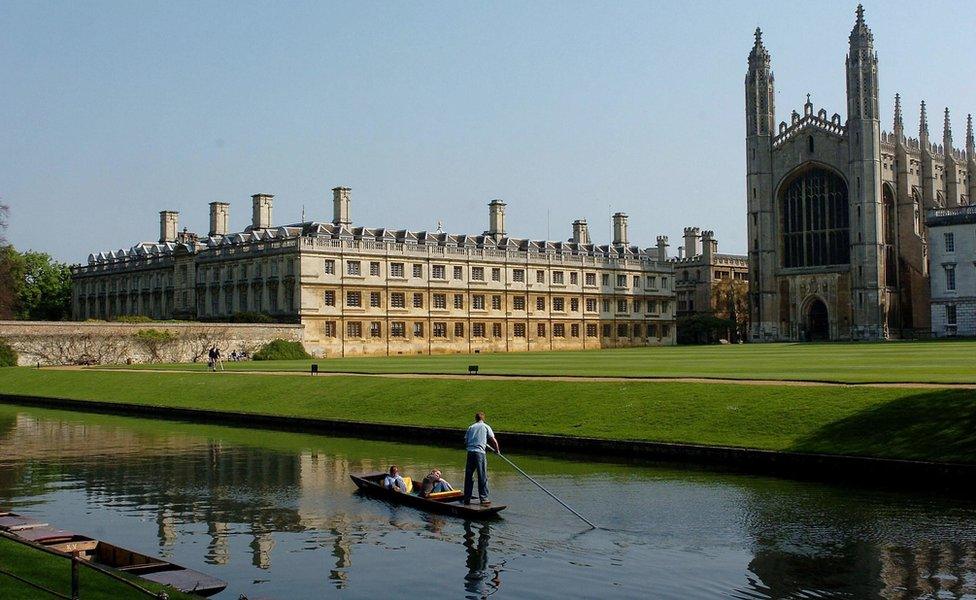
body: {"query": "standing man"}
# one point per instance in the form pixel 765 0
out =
pixel 478 436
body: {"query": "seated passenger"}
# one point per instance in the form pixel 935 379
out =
pixel 394 482
pixel 433 484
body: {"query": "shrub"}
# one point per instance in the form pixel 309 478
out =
pixel 153 341
pixel 8 356
pixel 133 319
pixel 282 350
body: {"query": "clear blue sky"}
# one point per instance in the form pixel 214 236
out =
pixel 113 111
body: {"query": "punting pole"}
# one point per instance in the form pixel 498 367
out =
pixel 541 487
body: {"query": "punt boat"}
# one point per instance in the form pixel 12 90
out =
pixel 447 503
pixel 102 553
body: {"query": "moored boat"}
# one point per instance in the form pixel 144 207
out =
pixel 447 503
pixel 102 553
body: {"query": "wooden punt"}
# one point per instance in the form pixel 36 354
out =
pixel 447 503
pixel 139 565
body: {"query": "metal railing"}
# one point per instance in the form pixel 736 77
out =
pixel 76 564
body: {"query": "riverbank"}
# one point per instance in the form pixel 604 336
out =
pixel 734 423
pixel 54 573
pixel 937 361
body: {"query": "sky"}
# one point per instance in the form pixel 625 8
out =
pixel 114 111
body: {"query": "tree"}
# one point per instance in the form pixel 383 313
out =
pixel 9 261
pixel 730 297
pixel 43 287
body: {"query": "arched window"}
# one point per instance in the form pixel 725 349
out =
pixel 815 220
pixel 810 143
pixel 890 235
pixel 917 205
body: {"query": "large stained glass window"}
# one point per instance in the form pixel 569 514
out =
pixel 815 220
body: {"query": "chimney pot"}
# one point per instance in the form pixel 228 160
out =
pixel 496 219
pixel 340 206
pixel 619 229
pixel 261 211
pixel 581 232
pixel 219 218
pixel 168 225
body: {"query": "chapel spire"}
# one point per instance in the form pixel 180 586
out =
pixel 899 126
pixel 923 125
pixel 861 36
pixel 862 72
pixel 760 105
pixel 947 134
pixel 970 141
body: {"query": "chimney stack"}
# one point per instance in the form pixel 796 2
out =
pixel 340 206
pixel 709 246
pixel 581 232
pixel 693 242
pixel 662 248
pixel 219 218
pixel 496 219
pixel 168 225
pixel 261 211
pixel 619 229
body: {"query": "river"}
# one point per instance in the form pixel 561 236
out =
pixel 274 514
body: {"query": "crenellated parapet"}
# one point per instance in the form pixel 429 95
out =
pixel 798 123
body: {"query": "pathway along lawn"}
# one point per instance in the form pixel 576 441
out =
pixel 938 425
pixel 54 573
pixel 924 362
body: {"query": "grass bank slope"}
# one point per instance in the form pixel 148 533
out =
pixel 934 362
pixel 902 423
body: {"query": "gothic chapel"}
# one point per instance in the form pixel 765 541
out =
pixel 838 247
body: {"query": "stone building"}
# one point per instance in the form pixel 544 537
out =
pixel 837 242
pixel 699 267
pixel 952 254
pixel 359 290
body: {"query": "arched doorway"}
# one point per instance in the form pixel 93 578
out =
pixel 818 325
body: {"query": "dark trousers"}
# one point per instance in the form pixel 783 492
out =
pixel 476 463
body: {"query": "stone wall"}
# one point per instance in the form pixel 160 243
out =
pixel 72 342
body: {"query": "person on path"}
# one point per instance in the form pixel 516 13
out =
pixel 477 438
pixel 211 359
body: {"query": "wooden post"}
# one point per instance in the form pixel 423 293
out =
pixel 75 584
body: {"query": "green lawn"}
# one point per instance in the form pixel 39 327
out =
pixel 931 361
pixel 54 573
pixel 885 422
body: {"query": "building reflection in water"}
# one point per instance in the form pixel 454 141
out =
pixel 799 552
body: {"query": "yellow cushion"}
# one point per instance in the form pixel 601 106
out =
pixel 409 483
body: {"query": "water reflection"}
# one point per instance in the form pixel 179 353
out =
pixel 275 515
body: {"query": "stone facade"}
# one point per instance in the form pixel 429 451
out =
pixel 952 232
pixel 66 343
pixel 699 267
pixel 837 244
pixel 361 290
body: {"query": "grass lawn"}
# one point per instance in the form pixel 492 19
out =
pixel 54 573
pixel 885 422
pixel 930 361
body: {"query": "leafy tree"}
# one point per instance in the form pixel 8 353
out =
pixel 730 297
pixel 43 288
pixel 11 267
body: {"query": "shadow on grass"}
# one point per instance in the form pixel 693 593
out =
pixel 934 426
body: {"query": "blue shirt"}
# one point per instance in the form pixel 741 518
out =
pixel 477 437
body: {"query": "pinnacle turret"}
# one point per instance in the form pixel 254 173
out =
pixel 970 141
pixel 899 123
pixel 947 133
pixel 923 124
pixel 861 36
pixel 759 56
